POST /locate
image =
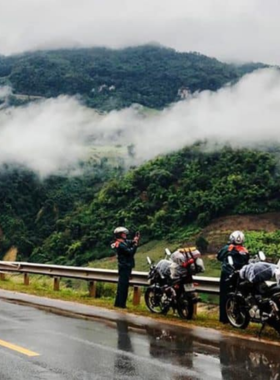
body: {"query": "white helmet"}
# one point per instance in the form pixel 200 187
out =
pixel 121 230
pixel 237 237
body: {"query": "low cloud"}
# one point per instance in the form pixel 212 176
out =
pixel 47 136
pixel 52 135
pixel 5 91
pixel 240 30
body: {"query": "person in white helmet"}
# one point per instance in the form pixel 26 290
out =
pixel 125 250
pixel 240 257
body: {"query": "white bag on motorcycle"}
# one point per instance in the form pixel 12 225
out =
pixel 178 257
pixel 176 271
pixel 257 272
pixel 163 267
pixel 182 256
pixel 199 265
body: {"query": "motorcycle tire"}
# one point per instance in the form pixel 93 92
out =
pixel 275 323
pixel 185 307
pixel 153 300
pixel 237 315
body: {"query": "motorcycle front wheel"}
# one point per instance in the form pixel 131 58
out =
pixel 237 315
pixel 185 307
pixel 153 300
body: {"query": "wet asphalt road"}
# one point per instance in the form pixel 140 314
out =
pixel 72 348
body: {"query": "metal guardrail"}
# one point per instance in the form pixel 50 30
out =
pixel 208 285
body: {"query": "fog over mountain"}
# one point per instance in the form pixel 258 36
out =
pixel 54 134
pixel 240 30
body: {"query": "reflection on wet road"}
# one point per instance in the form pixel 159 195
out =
pixel 214 356
pixel 73 348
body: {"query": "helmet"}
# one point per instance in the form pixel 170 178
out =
pixel 237 237
pixel 121 230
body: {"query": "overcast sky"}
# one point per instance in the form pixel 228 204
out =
pixel 231 30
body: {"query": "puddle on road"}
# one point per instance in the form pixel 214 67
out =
pixel 209 354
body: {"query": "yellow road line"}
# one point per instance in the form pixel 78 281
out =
pixel 19 349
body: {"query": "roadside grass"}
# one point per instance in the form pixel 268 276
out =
pixel 212 266
pixel 76 291
pixel 154 249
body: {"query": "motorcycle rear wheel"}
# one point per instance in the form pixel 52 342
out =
pixel 153 300
pixel 185 307
pixel 275 322
pixel 275 325
pixel 238 317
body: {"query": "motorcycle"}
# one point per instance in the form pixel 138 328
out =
pixel 165 292
pixel 251 299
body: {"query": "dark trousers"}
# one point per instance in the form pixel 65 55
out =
pixel 224 290
pixel 123 285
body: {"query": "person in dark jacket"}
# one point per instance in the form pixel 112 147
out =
pixel 125 250
pixel 240 257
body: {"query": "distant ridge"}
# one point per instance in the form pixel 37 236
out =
pixel 106 79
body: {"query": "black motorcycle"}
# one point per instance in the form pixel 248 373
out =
pixel 165 293
pixel 253 302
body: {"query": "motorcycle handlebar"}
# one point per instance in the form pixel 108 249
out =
pixel 234 273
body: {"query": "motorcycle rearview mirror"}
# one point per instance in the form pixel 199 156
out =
pixel 230 260
pixel 149 260
pixel 167 251
pixel 262 256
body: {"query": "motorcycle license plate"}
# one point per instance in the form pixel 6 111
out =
pixel 189 287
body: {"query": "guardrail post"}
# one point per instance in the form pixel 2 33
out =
pixel 136 295
pixel 195 310
pixel 2 276
pixel 56 281
pixel 26 279
pixel 92 289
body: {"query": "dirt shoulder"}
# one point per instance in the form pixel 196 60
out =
pixel 217 232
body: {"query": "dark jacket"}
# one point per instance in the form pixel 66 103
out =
pixel 125 250
pixel 240 258
pixel 238 253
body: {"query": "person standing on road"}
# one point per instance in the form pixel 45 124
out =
pixel 125 250
pixel 240 257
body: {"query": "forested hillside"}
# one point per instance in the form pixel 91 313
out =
pixel 171 197
pixel 31 208
pixel 69 219
pixel 109 79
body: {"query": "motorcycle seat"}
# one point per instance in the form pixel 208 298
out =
pixel 244 284
pixel 176 280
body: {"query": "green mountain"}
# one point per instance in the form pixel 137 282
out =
pixel 69 220
pixel 109 79
pixel 169 198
